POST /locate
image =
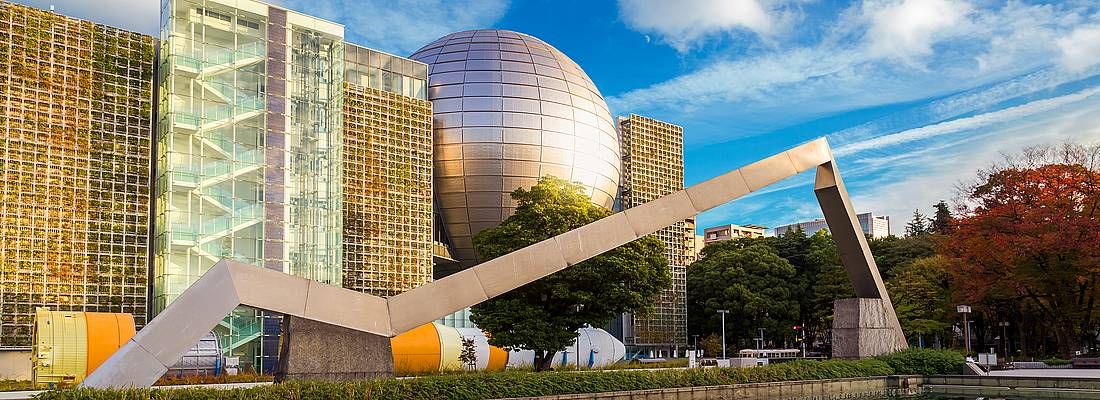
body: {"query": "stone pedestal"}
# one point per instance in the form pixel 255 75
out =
pixel 317 351
pixel 862 329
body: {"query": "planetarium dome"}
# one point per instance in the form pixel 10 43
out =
pixel 509 108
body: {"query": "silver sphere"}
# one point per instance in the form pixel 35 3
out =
pixel 507 109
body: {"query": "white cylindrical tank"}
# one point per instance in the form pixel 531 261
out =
pixel 594 347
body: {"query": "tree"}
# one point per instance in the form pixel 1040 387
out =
pixel 544 315
pixel 468 356
pixel 921 293
pixel 892 252
pixel 751 281
pixel 917 226
pixel 941 222
pixel 1029 232
pixel 830 283
pixel 711 345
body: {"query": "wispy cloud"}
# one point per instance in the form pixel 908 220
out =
pixel 968 123
pixel 918 180
pixel 403 27
pixel 876 53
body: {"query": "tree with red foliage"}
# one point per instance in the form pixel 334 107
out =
pixel 1029 234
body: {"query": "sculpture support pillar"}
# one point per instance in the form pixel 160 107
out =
pixel 317 351
pixel 869 318
pixel 861 329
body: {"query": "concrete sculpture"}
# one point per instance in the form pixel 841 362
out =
pixel 143 359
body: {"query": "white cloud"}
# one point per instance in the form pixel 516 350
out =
pixel 402 27
pixel 875 53
pixel 907 29
pixel 684 23
pixel 968 123
pixel 1081 49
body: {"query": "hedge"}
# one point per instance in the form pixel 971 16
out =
pixel 925 362
pixel 524 384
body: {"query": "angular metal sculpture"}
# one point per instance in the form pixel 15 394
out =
pixel 164 340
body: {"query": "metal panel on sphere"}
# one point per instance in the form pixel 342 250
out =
pixel 510 108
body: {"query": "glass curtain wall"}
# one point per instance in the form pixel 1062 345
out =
pixel 248 129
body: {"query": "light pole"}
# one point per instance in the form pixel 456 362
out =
pixel 964 310
pixel 723 313
pixel 1004 337
pixel 696 346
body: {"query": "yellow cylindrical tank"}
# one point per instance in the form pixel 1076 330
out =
pixel 69 345
pixel 435 347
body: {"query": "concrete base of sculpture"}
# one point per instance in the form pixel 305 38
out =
pixel 318 351
pixel 862 330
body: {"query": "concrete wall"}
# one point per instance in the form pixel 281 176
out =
pixel 818 389
pixel 1014 387
pixel 15 364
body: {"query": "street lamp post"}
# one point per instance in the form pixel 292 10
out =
pixel 1004 337
pixel 723 313
pixel 964 310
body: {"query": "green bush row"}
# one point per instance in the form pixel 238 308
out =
pixel 524 384
pixel 925 362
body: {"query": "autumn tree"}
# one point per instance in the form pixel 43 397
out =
pixel 1029 233
pixel 544 315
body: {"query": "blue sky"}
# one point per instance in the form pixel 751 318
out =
pixel 914 95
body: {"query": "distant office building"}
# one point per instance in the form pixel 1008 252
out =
pixel 731 231
pixel 75 139
pixel 700 242
pixel 387 173
pixel 653 166
pixel 878 226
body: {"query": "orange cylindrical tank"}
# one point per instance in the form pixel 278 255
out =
pixel 107 332
pixel 435 347
pixel 417 351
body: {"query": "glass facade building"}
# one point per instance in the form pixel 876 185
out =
pixel 248 152
pixel 387 173
pixel 653 166
pixel 75 140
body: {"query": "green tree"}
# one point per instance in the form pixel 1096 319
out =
pixel 921 292
pixel 917 226
pixel 830 283
pixel 754 283
pixel 544 315
pixel 893 252
pixel 942 220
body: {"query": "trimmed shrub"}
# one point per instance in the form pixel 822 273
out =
pixel 925 362
pixel 505 384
